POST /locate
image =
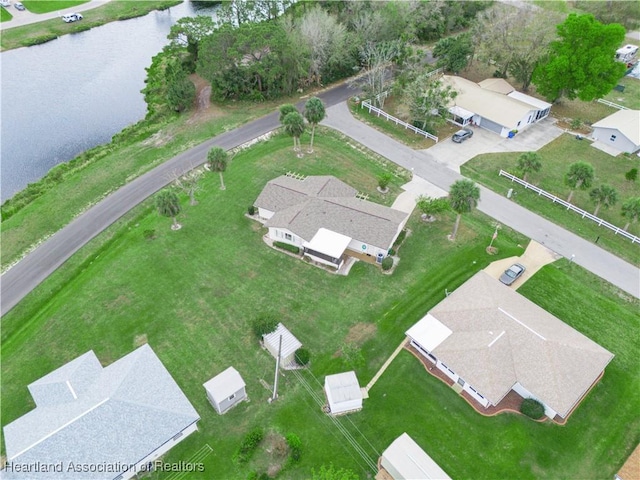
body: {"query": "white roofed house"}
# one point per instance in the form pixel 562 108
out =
pixel 620 130
pixel 494 105
pixel 288 349
pixel 489 340
pixel 121 417
pixel 322 216
pixel 343 393
pixel 226 390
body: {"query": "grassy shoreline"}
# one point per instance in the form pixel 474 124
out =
pixel 47 30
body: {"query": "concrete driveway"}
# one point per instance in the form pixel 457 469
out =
pixel 533 259
pixel 483 141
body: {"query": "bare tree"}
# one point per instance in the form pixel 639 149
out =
pixel 377 59
pixel 188 183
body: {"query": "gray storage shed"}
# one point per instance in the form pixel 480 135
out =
pixel 226 390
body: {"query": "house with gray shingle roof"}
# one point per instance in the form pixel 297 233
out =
pixel 94 422
pixel 489 340
pixel 322 216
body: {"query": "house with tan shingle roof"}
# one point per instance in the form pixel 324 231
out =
pixel 494 105
pixel 323 216
pixel 620 130
pixel 489 340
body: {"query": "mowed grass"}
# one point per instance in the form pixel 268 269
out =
pixel 45 6
pixel 5 15
pixel 594 443
pixel 194 293
pixel 556 158
pixel 630 97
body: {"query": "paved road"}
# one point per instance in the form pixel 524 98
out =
pixel 39 264
pixel 44 260
pixel 422 163
pixel 25 17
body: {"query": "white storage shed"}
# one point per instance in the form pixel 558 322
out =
pixel 289 345
pixel 226 390
pixel 343 392
pixel 405 460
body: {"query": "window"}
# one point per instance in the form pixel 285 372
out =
pixel 287 236
pixel 232 396
pixel 177 436
pixel 613 138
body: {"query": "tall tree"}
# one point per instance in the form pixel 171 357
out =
pixel 294 126
pixel 582 63
pixel 168 205
pixel 314 112
pixel 181 92
pixel 217 159
pixel 579 176
pixel 515 38
pixel 529 162
pixel 631 211
pixel 189 31
pixel 464 196
pixel 378 58
pixel 453 53
pixel 603 196
pixel 428 98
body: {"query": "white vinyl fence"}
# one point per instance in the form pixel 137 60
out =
pixel 611 104
pixel 583 213
pixel 366 104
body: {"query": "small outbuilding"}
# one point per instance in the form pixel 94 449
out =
pixel 405 460
pixel 226 390
pixel 620 130
pixel 289 345
pixel 343 393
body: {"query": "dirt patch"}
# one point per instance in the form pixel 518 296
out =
pixel 360 333
pixel 140 340
pixel 203 111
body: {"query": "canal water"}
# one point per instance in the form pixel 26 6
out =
pixel 71 94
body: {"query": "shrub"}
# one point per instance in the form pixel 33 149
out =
pixel 632 175
pixel 532 408
pixel 251 210
pixel 287 246
pixel 302 356
pixel 295 445
pixel 387 263
pixel 383 180
pixel 249 443
pixel 265 323
pixel 576 123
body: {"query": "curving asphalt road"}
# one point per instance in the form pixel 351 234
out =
pixel 44 260
pixel 39 264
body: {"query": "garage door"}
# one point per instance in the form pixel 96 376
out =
pixel 492 126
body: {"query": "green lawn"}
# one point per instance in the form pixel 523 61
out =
pixel 556 158
pixel 630 98
pixel 193 293
pixel 45 6
pixel 47 30
pixel 5 15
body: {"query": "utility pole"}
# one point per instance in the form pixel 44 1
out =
pixel 275 381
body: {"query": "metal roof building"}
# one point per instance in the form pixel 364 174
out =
pixel 225 390
pixel 289 345
pixel 119 417
pixel 343 392
pixel 405 460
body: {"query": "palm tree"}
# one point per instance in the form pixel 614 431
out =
pixel 463 197
pixel 168 205
pixel 604 195
pixel 218 159
pixel 314 112
pixel 580 175
pixel 294 126
pixel 529 162
pixel 631 210
pixel 285 110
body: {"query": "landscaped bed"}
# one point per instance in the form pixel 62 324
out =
pixel 556 158
pixel 194 293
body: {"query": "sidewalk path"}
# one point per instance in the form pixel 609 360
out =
pixel 26 17
pixel 422 163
